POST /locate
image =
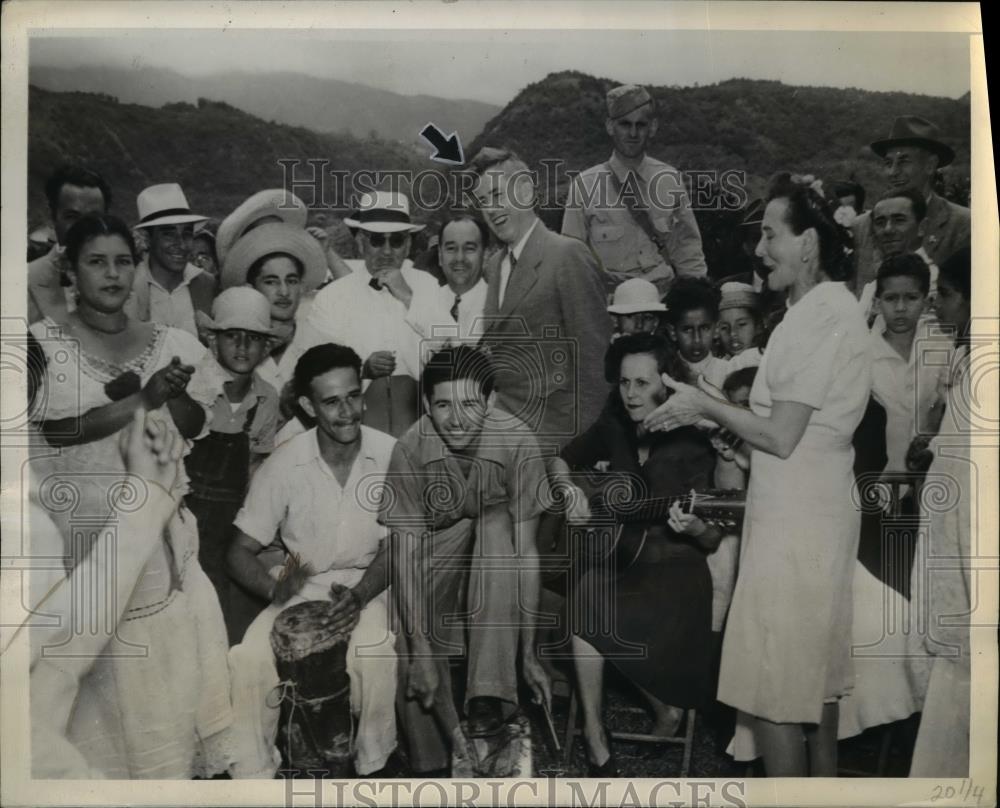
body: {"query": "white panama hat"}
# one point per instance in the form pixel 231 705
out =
pixel 164 204
pixel 383 212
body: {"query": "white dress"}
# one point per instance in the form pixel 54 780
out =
pixel 786 649
pixel 943 583
pixel 156 703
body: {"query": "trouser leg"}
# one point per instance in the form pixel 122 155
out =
pixel 371 666
pixel 495 610
pixel 253 676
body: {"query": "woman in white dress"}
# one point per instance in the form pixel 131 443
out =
pixel 155 704
pixel 943 583
pixel 786 652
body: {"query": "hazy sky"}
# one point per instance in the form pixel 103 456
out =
pixel 494 65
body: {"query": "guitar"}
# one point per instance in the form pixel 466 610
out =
pixel 622 515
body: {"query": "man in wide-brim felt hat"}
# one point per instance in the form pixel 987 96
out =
pixel 911 155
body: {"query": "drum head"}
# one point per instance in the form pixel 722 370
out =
pixel 301 631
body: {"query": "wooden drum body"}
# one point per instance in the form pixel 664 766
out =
pixel 315 690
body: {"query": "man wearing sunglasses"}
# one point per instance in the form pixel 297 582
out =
pixel 387 312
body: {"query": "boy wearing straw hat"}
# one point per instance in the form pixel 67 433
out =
pixel 243 422
pixel 636 307
pixel 285 264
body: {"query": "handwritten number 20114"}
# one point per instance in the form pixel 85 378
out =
pixel 965 791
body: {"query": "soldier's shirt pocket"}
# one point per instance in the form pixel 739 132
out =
pixel 607 233
pixel 665 222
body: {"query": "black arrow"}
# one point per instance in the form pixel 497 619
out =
pixel 449 149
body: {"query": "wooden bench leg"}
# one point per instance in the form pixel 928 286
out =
pixel 570 728
pixel 688 744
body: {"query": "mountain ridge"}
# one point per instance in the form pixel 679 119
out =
pixel 346 107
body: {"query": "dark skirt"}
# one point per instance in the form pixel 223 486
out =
pixel 653 621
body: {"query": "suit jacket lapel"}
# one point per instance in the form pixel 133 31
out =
pixel 525 274
pixel 936 219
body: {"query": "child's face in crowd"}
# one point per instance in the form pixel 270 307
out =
pixel 901 303
pixel 279 281
pixel 640 386
pixel 950 305
pixel 240 351
pixel 737 329
pixel 740 396
pixel 693 334
pixel 458 409
pixel 642 322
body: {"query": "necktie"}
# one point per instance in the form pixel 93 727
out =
pixel 454 308
pixel 512 263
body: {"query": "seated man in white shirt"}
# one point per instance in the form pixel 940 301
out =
pixel 313 491
pixel 462 244
pixel 168 288
pixel 387 313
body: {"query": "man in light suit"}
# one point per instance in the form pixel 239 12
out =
pixel 546 320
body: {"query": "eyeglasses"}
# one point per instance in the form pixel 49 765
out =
pixel 396 240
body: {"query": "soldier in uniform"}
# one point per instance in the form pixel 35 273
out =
pixel 633 210
pixel 911 156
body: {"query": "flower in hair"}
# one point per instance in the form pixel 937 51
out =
pixel 810 181
pixel 845 216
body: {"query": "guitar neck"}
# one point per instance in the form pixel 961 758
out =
pixel 644 510
pixel 656 509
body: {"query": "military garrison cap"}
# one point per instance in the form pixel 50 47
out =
pixel 625 99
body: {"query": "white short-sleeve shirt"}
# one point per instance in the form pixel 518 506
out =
pixel 295 493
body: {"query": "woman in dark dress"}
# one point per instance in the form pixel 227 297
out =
pixel 652 618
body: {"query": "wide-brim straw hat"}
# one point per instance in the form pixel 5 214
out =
pixel 275 237
pixel 271 202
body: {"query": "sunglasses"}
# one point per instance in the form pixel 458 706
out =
pixel 396 240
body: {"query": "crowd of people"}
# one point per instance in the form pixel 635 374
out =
pixel 415 452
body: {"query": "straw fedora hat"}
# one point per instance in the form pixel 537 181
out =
pixel 164 204
pixel 272 202
pixel 274 237
pixel 383 212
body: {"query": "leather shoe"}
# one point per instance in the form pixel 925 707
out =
pixel 485 717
